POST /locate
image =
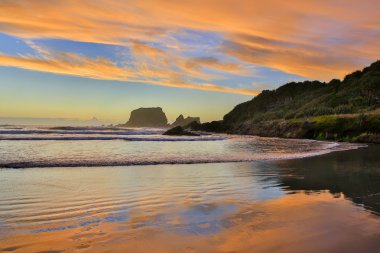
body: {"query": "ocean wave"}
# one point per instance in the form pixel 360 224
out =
pixel 74 128
pixel 328 148
pixel 74 132
pixel 107 138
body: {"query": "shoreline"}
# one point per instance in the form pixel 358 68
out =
pixel 332 147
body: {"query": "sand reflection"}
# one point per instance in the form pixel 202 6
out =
pixel 319 204
pixel 300 222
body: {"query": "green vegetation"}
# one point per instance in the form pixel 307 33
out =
pixel 345 110
pixel 360 128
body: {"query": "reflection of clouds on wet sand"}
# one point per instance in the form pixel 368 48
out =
pixel 306 205
pixel 300 222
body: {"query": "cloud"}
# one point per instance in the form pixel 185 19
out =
pixel 104 69
pixel 153 63
pixel 213 63
pixel 143 49
pixel 307 61
pixel 314 39
pixel 68 64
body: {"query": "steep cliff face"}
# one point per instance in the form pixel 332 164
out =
pixel 147 117
pixel 181 121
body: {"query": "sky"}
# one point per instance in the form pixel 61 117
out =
pixel 102 58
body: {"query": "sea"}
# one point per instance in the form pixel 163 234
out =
pixel 111 189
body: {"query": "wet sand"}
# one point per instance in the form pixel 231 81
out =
pixel 328 203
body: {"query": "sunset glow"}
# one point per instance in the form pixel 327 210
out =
pixel 176 54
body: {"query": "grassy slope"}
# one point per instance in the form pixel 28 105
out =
pixel 345 110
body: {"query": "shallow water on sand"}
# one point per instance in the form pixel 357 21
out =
pixel 327 203
pixel 84 147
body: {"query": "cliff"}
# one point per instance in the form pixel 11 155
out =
pixel 147 117
pixel 346 110
pixel 181 121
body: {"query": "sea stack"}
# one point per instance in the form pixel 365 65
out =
pixel 181 121
pixel 147 117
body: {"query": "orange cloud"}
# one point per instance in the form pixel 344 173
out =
pixel 307 61
pixel 315 39
pixel 214 63
pixel 69 64
pixel 100 68
pixel 156 63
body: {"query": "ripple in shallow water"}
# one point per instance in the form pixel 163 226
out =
pixel 207 208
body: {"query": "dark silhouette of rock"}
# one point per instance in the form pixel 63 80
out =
pixel 195 126
pixel 181 121
pixel 178 130
pixel 147 117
